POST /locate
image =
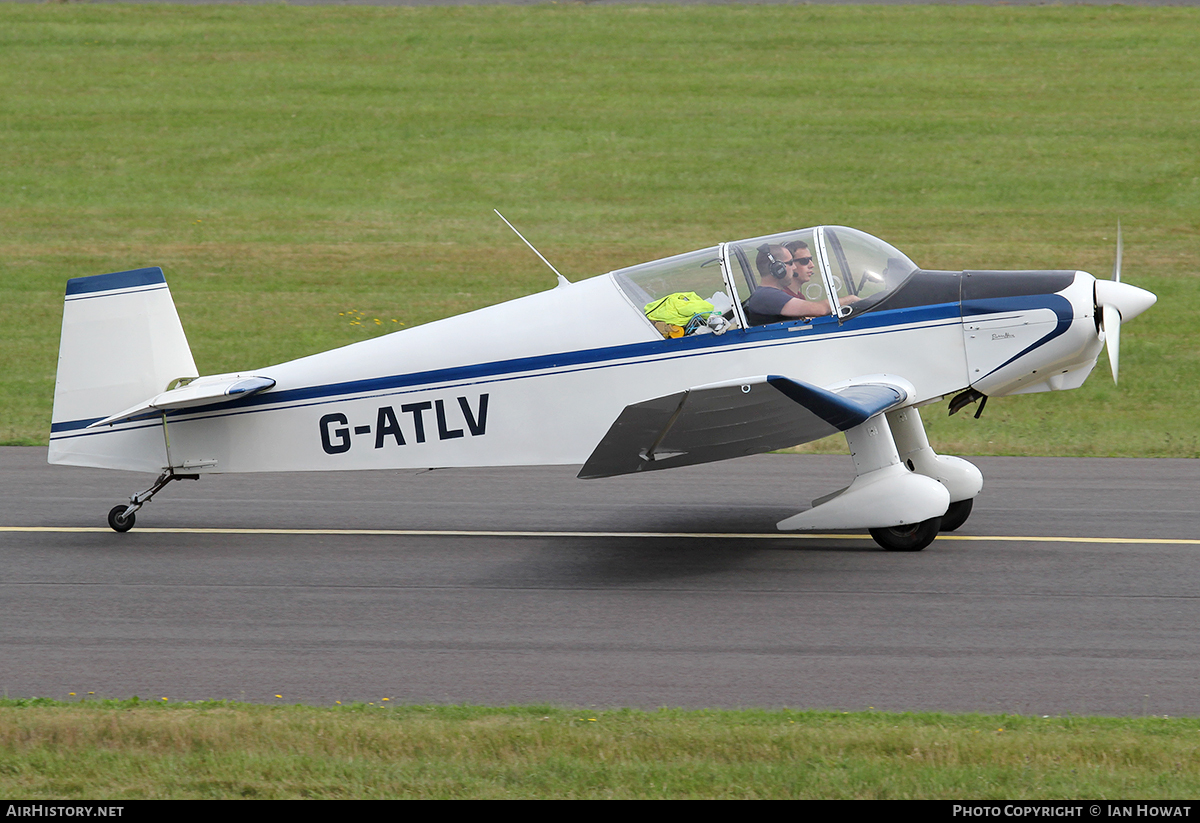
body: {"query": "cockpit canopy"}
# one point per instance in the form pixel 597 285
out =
pixel 844 271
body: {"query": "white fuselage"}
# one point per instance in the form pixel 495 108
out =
pixel 540 379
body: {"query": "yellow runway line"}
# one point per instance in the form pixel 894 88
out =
pixel 464 533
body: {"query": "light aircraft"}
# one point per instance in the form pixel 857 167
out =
pixel 663 364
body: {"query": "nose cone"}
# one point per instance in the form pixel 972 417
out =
pixel 1129 300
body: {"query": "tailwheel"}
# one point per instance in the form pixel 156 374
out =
pixel 118 520
pixel 957 514
pixel 911 538
pixel 121 518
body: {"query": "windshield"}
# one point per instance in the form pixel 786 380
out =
pixel 862 265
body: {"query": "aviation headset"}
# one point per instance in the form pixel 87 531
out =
pixel 778 270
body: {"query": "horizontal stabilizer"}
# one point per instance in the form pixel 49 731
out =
pixel 202 391
pixel 734 419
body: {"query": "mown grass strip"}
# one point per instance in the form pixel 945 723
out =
pixel 309 177
pixel 133 749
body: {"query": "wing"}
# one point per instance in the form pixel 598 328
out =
pixel 741 417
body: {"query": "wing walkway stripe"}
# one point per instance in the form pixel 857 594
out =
pixel 727 535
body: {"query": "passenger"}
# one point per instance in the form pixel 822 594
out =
pixel 778 298
pixel 805 267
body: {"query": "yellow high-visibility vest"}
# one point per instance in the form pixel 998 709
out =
pixel 679 308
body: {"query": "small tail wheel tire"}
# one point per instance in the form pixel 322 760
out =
pixel 957 514
pixel 911 538
pixel 118 521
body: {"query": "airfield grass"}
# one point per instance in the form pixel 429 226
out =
pixel 126 750
pixel 308 177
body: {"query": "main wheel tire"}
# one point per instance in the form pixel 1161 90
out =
pixel 118 521
pixel 911 538
pixel 957 514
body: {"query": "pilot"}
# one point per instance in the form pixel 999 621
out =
pixel 778 297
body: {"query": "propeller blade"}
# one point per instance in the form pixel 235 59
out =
pixel 1117 263
pixel 1115 302
pixel 1112 337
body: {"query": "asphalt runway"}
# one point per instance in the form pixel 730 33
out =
pixel 509 586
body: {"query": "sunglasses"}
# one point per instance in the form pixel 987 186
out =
pixel 801 261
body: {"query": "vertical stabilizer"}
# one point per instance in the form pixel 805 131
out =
pixel 122 343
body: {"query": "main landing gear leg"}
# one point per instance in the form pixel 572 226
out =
pixel 961 478
pixel 121 518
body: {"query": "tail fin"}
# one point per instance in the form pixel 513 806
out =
pixel 122 342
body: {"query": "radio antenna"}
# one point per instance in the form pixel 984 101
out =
pixel 562 281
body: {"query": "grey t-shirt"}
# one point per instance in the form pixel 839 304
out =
pixel 765 305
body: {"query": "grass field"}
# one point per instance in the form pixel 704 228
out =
pixel 296 169
pixel 136 750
